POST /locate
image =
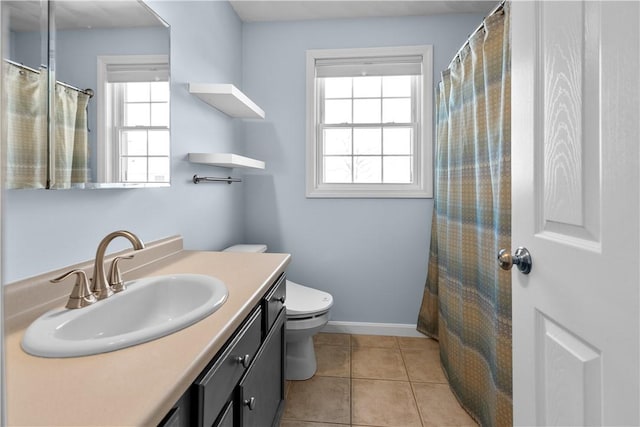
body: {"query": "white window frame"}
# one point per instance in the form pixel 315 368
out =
pixel 422 185
pixel 108 166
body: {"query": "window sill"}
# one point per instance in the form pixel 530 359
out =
pixel 366 192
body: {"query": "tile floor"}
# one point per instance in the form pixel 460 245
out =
pixel 366 380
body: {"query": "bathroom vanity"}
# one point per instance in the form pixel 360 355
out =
pixel 226 370
pixel 243 385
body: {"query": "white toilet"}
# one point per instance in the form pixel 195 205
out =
pixel 307 313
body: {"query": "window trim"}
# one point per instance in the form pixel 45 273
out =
pixel 423 185
pixel 107 169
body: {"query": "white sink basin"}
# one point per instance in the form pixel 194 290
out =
pixel 148 309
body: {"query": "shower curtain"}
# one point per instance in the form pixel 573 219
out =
pixel 467 298
pixel 71 142
pixel 26 141
pixel 25 149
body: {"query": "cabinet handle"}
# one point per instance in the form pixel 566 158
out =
pixel 244 360
pixel 251 403
pixel 282 299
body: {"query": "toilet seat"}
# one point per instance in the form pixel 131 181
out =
pixel 303 302
pixel 307 313
pixel 246 248
pixel 306 324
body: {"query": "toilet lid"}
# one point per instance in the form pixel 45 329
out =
pixel 303 301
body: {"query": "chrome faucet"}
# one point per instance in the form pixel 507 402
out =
pixel 99 286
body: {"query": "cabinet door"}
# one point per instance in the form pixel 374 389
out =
pixel 179 416
pixel 226 418
pixel 214 388
pixel 261 392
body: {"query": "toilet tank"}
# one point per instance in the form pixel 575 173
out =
pixel 246 248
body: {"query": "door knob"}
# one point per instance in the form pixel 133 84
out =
pixel 521 258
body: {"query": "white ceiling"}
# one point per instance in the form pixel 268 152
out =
pixel 72 14
pixel 291 10
pixel 27 15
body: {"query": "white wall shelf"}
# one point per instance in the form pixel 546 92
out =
pixel 228 99
pixel 227 160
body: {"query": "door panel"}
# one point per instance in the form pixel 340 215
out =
pixel 568 75
pixel 570 370
pixel 575 196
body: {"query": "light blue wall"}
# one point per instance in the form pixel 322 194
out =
pixel 44 230
pixel 24 48
pixel 370 254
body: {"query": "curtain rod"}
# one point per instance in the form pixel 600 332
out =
pixel 24 67
pixel 88 91
pixel 499 7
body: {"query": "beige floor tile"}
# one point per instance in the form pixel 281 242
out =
pixel 418 343
pixel 287 385
pixel 343 340
pixel 319 399
pixel 378 363
pixel 381 341
pixel 383 403
pixel 333 361
pixel 423 365
pixel 294 423
pixel 439 407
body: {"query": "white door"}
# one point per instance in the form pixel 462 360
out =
pixel 575 207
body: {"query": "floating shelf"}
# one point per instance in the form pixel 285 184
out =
pixel 227 160
pixel 228 99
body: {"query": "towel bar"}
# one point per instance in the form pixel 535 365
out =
pixel 197 179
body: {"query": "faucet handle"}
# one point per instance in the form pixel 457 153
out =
pixel 115 278
pixel 81 295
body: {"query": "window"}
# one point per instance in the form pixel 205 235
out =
pixel 133 140
pixel 369 122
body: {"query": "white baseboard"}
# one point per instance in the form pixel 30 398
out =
pixel 364 328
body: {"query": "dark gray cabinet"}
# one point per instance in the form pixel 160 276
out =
pixel 214 387
pixel 180 414
pixel 261 391
pixel 226 417
pixel 243 385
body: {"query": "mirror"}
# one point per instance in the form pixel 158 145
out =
pixel 24 103
pixel 107 91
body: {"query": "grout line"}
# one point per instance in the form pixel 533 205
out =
pixel 350 380
pixel 413 392
pixel 411 383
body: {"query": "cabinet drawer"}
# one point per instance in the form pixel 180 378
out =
pixel 273 302
pixel 214 387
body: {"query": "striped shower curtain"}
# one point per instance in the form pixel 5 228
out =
pixel 25 132
pixel 467 298
pixel 71 137
pixel 25 141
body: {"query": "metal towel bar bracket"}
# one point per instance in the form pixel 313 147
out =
pixel 198 179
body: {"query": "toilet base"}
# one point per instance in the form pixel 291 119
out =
pixel 301 359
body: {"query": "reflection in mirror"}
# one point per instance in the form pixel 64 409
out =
pixel 133 119
pixel 24 72
pixel 108 69
pixel 120 49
